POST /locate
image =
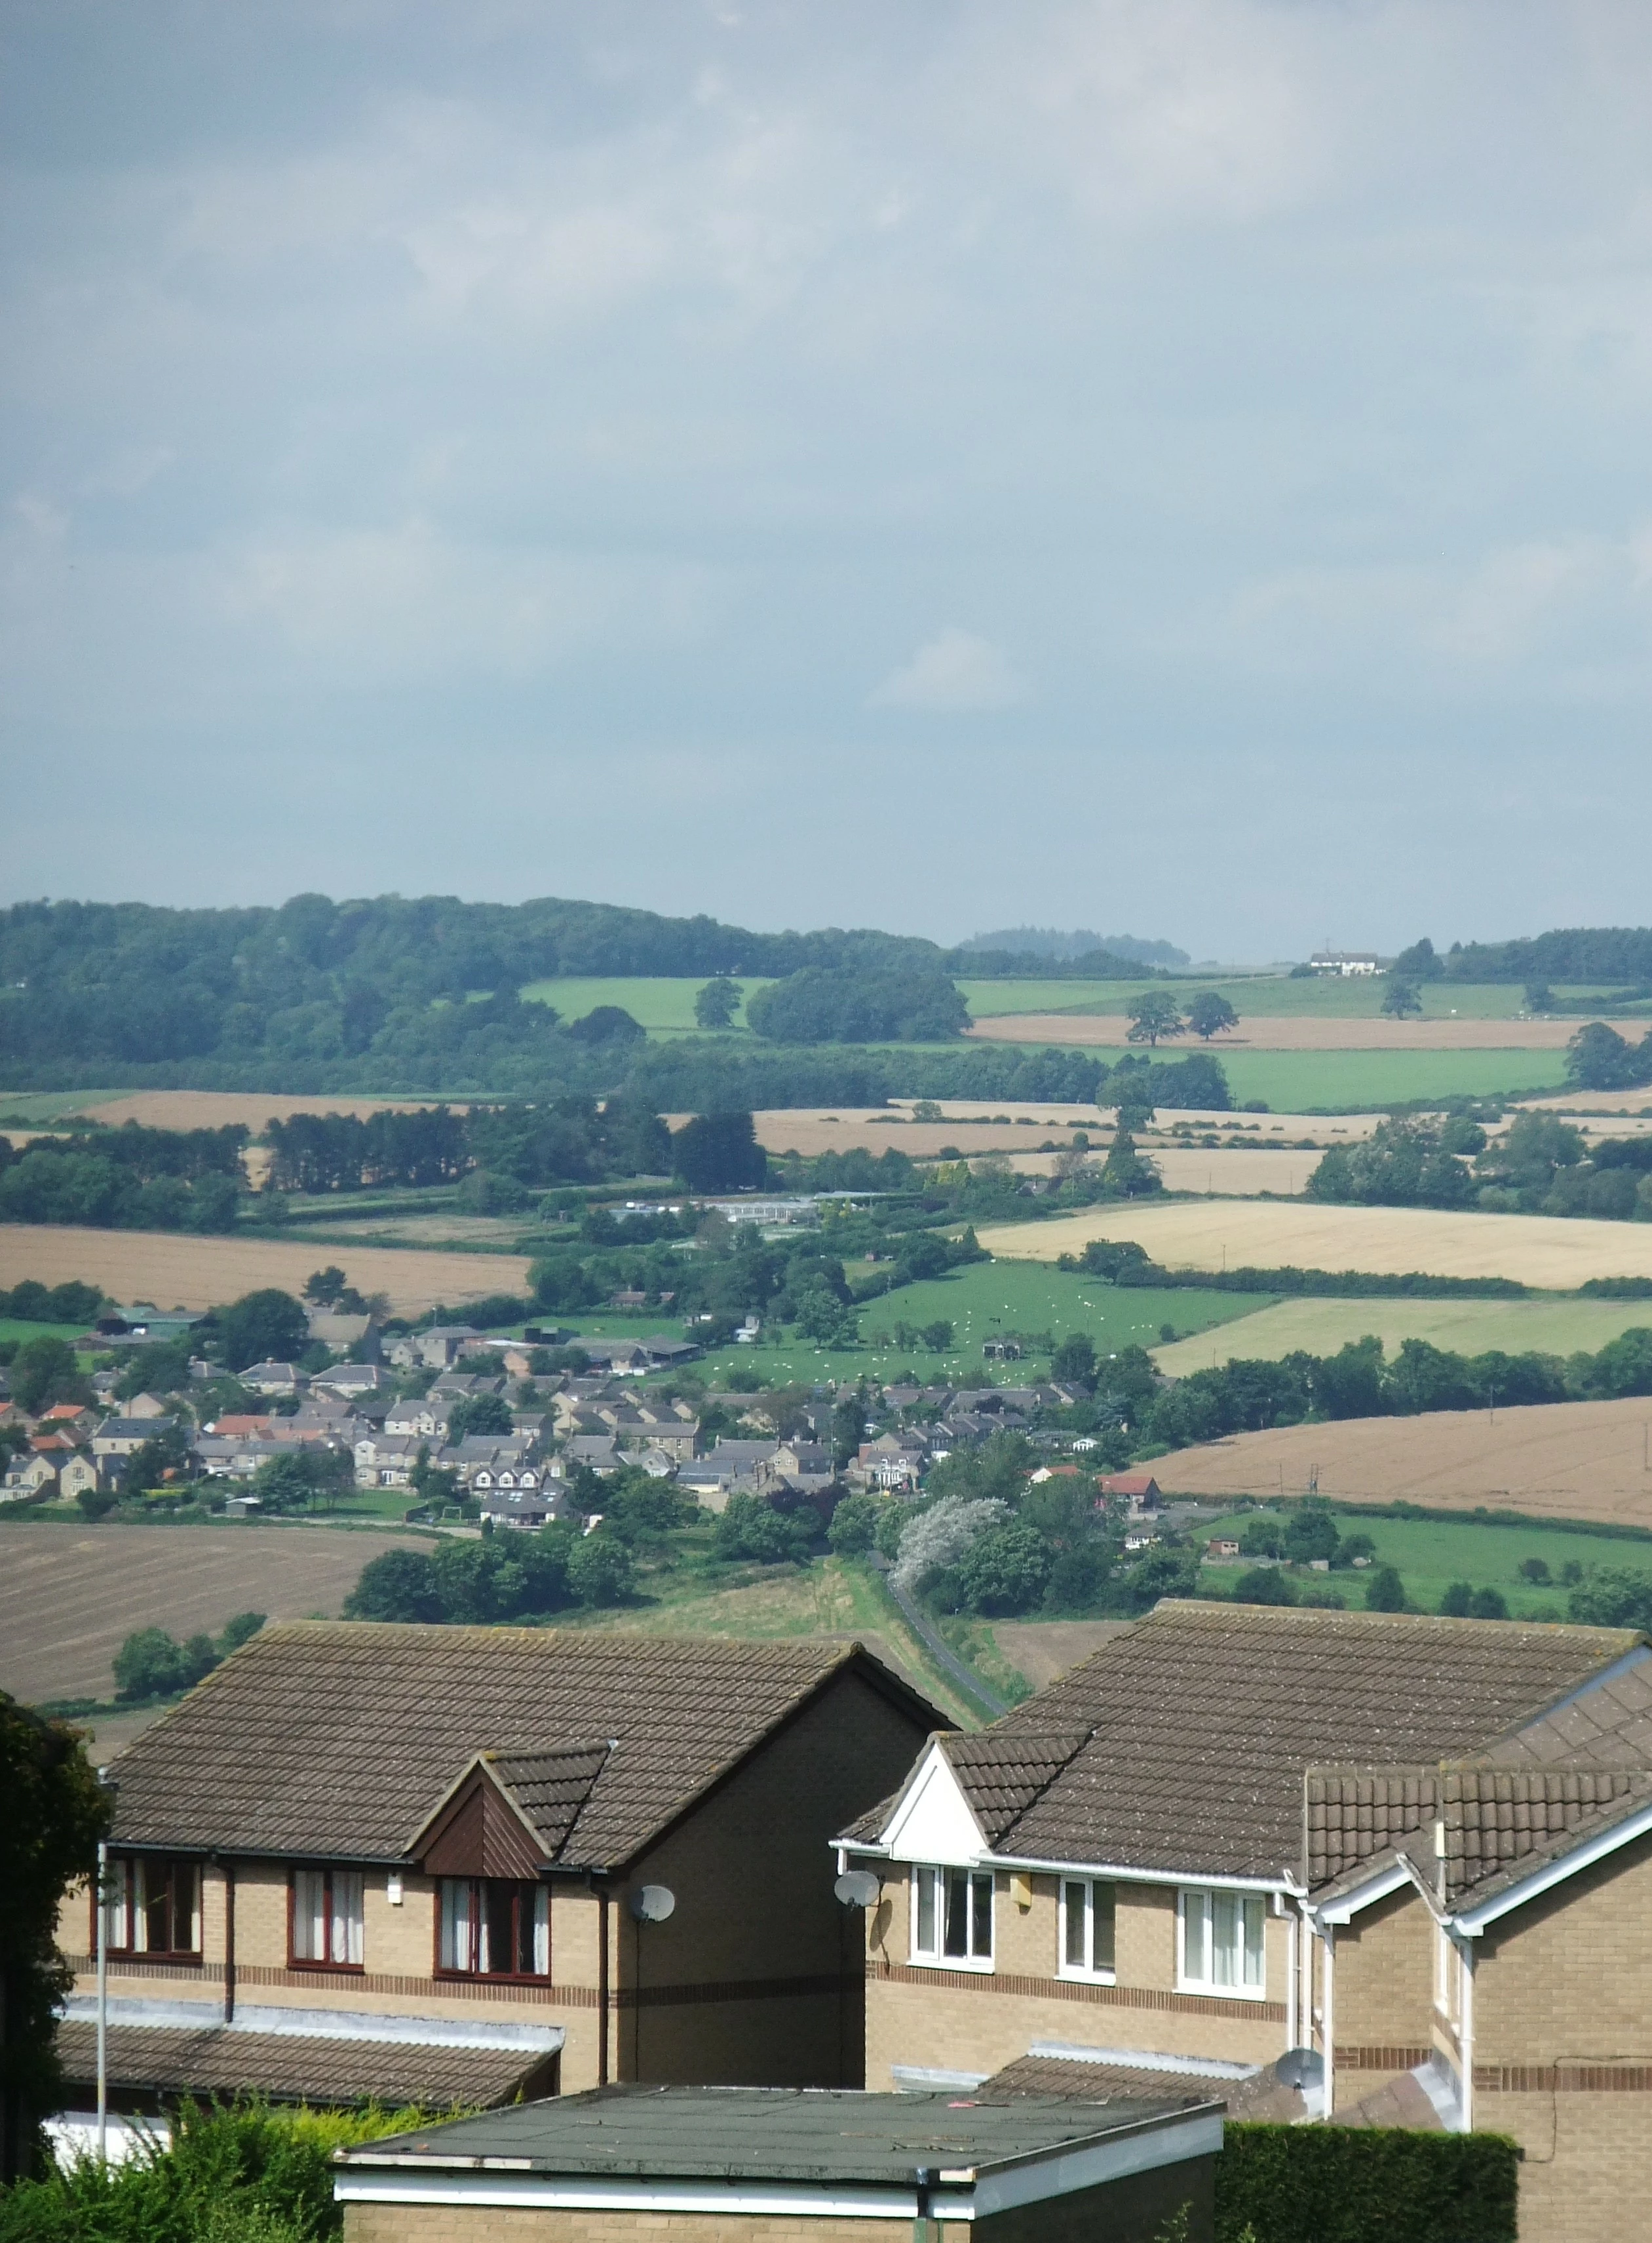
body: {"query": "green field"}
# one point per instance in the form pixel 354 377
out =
pixel 20 1329
pixel 1258 996
pixel 36 1109
pixel 1549 1325
pixel 1360 1081
pixel 1429 1554
pixel 660 1006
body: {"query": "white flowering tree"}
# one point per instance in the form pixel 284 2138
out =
pixel 942 1537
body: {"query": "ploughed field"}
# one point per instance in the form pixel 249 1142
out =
pixel 70 1594
pixel 172 1269
pixel 1535 1250
pixel 1568 1460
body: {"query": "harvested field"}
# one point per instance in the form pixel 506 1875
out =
pixel 216 1110
pixel 1044 1650
pixel 170 1269
pixel 977 1126
pixel 1571 1460
pixel 1545 1327
pixel 70 1594
pixel 1232 1172
pixel 1290 1032
pixel 1536 1250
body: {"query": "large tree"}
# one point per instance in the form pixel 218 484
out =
pixel 1400 997
pixel 1153 1015
pixel 54 1815
pixel 1210 1013
pixel 719 1152
pixel 716 1004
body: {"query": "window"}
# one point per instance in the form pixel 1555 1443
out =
pixel 953 1915
pixel 327 1918
pixel 495 1928
pixel 153 1906
pixel 1221 1943
pixel 1087 1910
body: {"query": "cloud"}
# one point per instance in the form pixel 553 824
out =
pixel 951 673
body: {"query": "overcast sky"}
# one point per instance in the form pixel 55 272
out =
pixel 1168 466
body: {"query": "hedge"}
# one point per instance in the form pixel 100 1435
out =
pixel 1365 2184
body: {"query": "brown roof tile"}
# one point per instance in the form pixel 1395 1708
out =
pixel 290 2067
pixel 1204 1717
pixel 338 1739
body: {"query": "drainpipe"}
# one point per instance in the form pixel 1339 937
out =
pixel 1292 2038
pixel 603 1987
pixel 1465 2034
pixel 1328 2018
pixel 102 2000
pixel 229 1943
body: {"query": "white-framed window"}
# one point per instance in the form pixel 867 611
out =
pixel 328 1918
pixel 952 1917
pixel 1219 1935
pixel 1088 1908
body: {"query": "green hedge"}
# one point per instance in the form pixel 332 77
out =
pixel 1365 2184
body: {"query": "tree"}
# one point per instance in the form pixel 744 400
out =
pixel 600 1571
pixel 1153 1015
pixel 1125 1173
pixel 1457 1601
pixel 749 1528
pixel 1488 1604
pixel 397 1585
pixel 1210 1013
pixel 854 1525
pixel 1385 1591
pixel 150 1664
pixel 1422 962
pixel 1613 1596
pixel 823 1005
pixel 304 1479
pixel 719 1152
pixel 1597 1058
pixel 1264 1585
pixel 716 1004
pixel 1005 1570
pixel 1074 1361
pixel 479 1413
pixel 609 1025
pixel 54 1815
pixel 938 1335
pixel 44 1371
pixel 1311 1533
pixel 266 1326
pixel 326 1287
pixel 1400 998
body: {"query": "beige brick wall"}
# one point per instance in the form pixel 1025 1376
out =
pixel 418 2223
pixel 1586 2173
pixel 1385 1982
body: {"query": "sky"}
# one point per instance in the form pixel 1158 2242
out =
pixel 1173 467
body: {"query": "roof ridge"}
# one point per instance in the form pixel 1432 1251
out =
pixel 1217 1611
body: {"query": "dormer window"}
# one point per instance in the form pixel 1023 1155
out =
pixel 952 1916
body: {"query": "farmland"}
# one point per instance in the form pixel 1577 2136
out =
pixel 70 1594
pixel 1536 1250
pixel 1546 1327
pixel 1586 1460
pixel 173 1270
pixel 1298 1033
pixel 661 1005
pixel 1431 1553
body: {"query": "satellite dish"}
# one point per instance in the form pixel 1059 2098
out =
pixel 857 1888
pixel 653 1903
pixel 1301 2067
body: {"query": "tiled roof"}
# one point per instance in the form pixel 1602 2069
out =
pixel 291 2067
pixel 340 1739
pixel 1352 1816
pixel 1001 1775
pixel 549 1787
pixel 1257 2096
pixel 1204 1718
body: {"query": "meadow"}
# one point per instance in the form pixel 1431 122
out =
pixel 1431 1553
pixel 1263 996
pixel 1537 1250
pixel 1544 1326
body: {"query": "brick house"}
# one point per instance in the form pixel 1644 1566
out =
pixel 1419 1847
pixel 404 1862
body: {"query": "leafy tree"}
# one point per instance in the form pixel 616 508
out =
pixel 1420 963
pixel 1535 1570
pixel 1487 1603
pixel 327 1287
pixel 1385 1591
pixel 1310 1533
pixel 1613 1596
pixel 719 1152
pixel 1074 1361
pixel 600 1571
pixel 1401 1164
pixel 54 1815
pixel 749 1528
pixel 304 1479
pixel 854 1525
pixel 1351 1546
pixel 266 1326
pixel 609 1025
pixel 150 1664
pixel 1458 1601
pixel 1262 1538
pixel 1400 998
pixel 1125 1173
pixel 1264 1585
pixel 716 1004
pixel 851 1006
pixel 938 1335
pixel 160 1368
pixel 396 1585
pixel 1154 1015
pixel 238 1630
pixel 849 1423
pixel 479 1413
pixel 1210 1013
pixel 1349 1384
pixel 1005 1570
pixel 1597 1058
pixel 162 1460
pixel 44 1371
pixel 939 1538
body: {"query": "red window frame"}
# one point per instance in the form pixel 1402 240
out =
pixel 296 1962
pixel 524 1893
pixel 169 1870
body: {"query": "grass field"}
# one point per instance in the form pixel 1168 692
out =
pixel 1570 1460
pixel 1270 996
pixel 70 1594
pixel 1429 1554
pixel 170 1269
pixel 1547 1327
pixel 1537 1250
pixel 20 1329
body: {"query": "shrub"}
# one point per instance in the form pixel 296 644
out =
pixel 1365 2184
pixel 750 1528
pixel 854 1524
pixel 1264 1585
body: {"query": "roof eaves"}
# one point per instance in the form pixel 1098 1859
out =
pixel 1617 1825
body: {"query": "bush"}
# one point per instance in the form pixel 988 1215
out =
pixel 1365 2184
pixel 750 1528
pixel 600 1570
pixel 150 1664
pixel 854 1524
pixel 1264 1585
pixel 397 1586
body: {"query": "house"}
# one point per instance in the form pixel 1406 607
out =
pixel 891 1461
pixel 1419 1850
pixel 123 1437
pixel 280 1379
pixel 386 1460
pixel 1222 1550
pixel 425 1863
pixel 28 1477
pixel 750 2164
pixel 350 1381
pixel 1000 1350
pixel 1346 965
pixel 70 1418
pixel 77 1476
pixel 418 1418
pixel 1138 1490
pixel 145 1405
pixel 529 1506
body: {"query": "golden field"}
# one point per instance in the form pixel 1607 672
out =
pixel 1301 1033
pixel 169 1270
pixel 217 1109
pixel 1536 1250
pixel 1568 1460
pixel 1320 1327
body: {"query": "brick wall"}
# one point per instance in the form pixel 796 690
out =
pixel 1384 2007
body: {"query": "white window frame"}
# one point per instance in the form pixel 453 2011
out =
pixel 1093 1973
pixel 1203 1905
pixel 929 1878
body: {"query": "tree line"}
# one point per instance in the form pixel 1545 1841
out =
pixel 1540 1166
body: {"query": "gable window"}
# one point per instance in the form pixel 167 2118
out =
pixel 953 1915
pixel 494 1928
pixel 153 1907
pixel 326 1926
pixel 1087 1911
pixel 1221 1937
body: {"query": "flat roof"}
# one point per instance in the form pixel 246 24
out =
pixel 811 2135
